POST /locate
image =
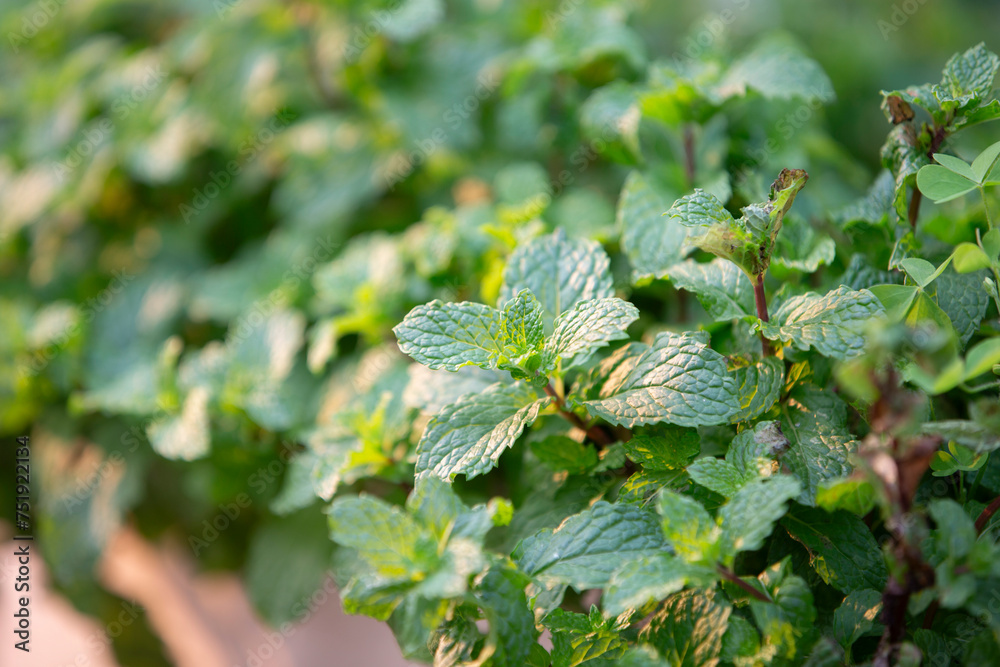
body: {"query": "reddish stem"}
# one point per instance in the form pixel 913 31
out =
pixel 987 514
pixel 595 433
pixel 729 575
pixel 761 298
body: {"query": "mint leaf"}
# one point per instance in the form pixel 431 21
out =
pixel 469 436
pixel 559 271
pixel 643 580
pixel 787 621
pixel 777 69
pixel 963 300
pixel 832 324
pixel 688 630
pixel 759 387
pixel 841 548
pixel 559 452
pixel 388 539
pixel 611 114
pixel 815 423
pixel 752 454
pixel 722 289
pixel 587 547
pixel 522 323
pixel 588 326
pixel 857 616
pixel 652 244
pixel 750 515
pixel 663 447
pixel 748 241
pixel 678 380
pixel 452 335
pixel 512 625
pixel 689 528
pixel 970 74
pixel 584 639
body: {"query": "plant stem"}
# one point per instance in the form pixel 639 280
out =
pixel 689 158
pixel 940 134
pixel 961 487
pixel 986 207
pixel 729 575
pixel 595 433
pixel 986 514
pixel 914 210
pixel 761 299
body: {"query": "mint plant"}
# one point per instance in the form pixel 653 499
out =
pixel 509 330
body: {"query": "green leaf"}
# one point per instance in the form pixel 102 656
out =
pixel 590 325
pixel 388 539
pixel 841 548
pixel 956 533
pixel 787 621
pixel 722 289
pixel 689 528
pixel 777 69
pixel 522 323
pixel 643 580
pixel 689 628
pixel 452 335
pixel 759 386
pixel 921 271
pixel 750 515
pixel 287 562
pixel 942 184
pixel 981 358
pixel 559 271
pixel 851 494
pixel 956 165
pixel 903 157
pixel 587 547
pixel 559 452
pixel 963 302
pixel 653 245
pixel 896 299
pixel 678 380
pixel 814 421
pixel 512 625
pixel 469 436
pixel 971 73
pixel 747 242
pixel 583 639
pixel 753 454
pixel 857 616
pixel 832 324
pixel 186 436
pixel 968 257
pixel 663 447
pixel 984 162
pixel 611 114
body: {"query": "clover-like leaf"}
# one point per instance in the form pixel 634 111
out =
pixel 678 380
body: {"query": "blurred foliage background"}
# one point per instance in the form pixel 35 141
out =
pixel 212 214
